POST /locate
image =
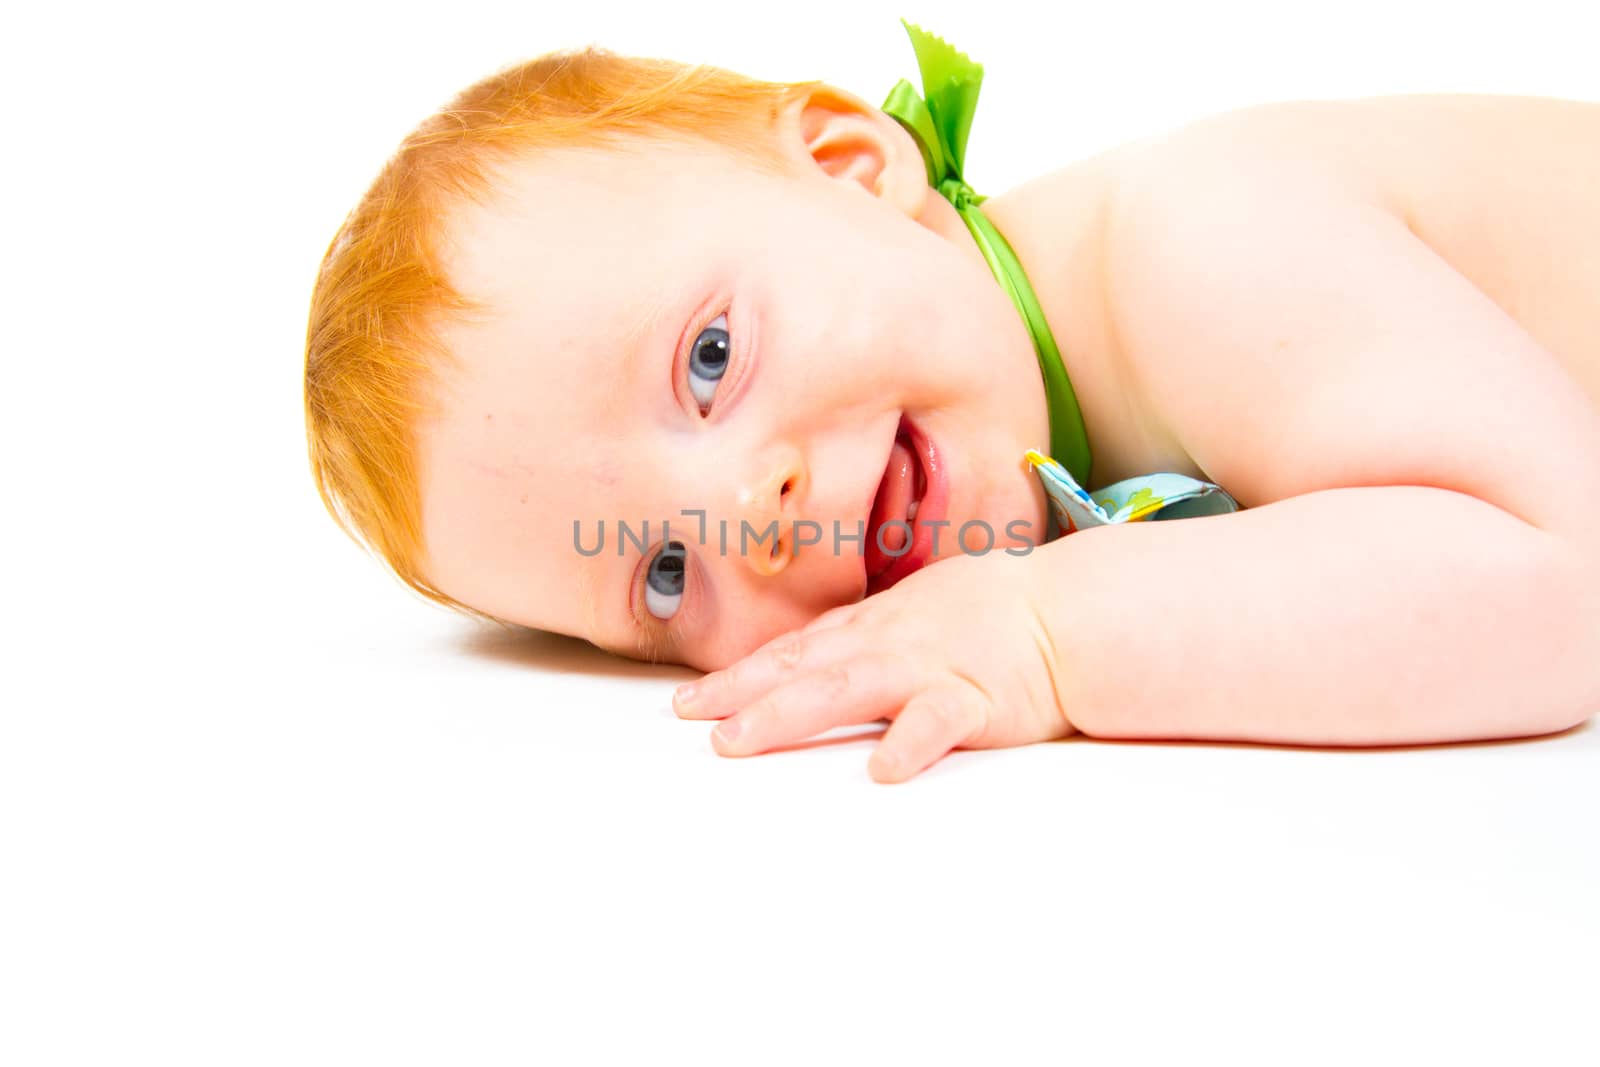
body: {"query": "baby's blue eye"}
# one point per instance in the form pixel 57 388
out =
pixel 708 359
pixel 663 581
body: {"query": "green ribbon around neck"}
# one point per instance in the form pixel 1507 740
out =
pixel 939 123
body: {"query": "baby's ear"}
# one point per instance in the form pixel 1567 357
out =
pixel 849 140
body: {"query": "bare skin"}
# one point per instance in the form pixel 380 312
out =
pixel 1338 311
pixel 1374 322
pixel 1503 188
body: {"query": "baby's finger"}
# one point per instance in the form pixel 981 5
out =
pixel 855 691
pixel 785 657
pixel 834 616
pixel 932 723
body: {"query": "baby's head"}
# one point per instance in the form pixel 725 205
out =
pixel 596 291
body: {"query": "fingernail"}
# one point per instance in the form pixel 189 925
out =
pixel 686 692
pixel 728 732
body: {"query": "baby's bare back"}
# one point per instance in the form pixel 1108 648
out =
pixel 1504 188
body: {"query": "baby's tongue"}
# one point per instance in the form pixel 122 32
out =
pixel 894 497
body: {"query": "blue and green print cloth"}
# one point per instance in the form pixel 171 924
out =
pixel 1140 499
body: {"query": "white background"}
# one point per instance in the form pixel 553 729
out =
pixel 259 804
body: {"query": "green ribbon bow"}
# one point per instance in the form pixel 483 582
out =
pixel 939 124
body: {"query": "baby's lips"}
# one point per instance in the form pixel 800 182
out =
pixel 891 504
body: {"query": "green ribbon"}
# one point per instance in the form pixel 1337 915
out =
pixel 939 124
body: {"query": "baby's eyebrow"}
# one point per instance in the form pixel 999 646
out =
pixel 636 346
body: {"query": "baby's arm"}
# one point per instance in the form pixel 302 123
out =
pixel 1418 561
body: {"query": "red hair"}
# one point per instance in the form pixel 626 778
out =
pixel 371 346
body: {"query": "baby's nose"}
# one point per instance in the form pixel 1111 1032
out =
pixel 767 515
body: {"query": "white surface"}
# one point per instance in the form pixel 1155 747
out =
pixel 260 805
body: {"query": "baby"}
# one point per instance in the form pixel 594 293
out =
pixel 709 370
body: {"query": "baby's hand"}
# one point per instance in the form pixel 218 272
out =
pixel 954 654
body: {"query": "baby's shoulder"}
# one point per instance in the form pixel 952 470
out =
pixel 1286 282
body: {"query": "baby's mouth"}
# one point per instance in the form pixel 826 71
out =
pixel 899 495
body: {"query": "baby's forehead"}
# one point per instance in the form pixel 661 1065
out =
pixel 584 225
pixel 539 188
pixel 545 359
pixel 616 196
pixel 613 172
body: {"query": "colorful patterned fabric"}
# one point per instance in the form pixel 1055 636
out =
pixel 1144 498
